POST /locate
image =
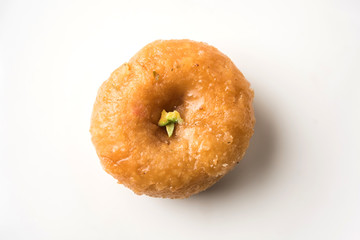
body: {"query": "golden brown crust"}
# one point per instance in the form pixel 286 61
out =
pixel 213 98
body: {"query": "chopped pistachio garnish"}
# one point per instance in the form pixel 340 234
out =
pixel 163 120
pixel 156 75
pixel 169 119
pixel 170 129
pixel 174 117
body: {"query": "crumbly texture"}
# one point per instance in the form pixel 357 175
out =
pixel 205 87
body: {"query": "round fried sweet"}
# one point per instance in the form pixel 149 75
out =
pixel 214 101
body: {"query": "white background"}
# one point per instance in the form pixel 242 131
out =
pixel 300 178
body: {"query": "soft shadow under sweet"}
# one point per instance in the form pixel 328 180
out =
pixel 256 165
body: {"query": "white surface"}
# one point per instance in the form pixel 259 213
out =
pixel 300 178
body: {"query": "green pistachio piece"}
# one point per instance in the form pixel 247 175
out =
pixel 174 117
pixel 169 119
pixel 170 129
pixel 156 75
pixel 163 119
